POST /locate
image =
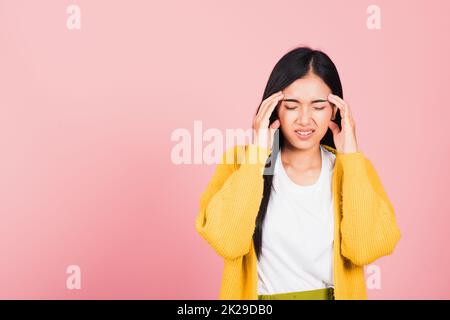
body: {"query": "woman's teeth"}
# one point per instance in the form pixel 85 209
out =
pixel 304 133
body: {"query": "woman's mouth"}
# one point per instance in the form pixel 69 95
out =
pixel 304 134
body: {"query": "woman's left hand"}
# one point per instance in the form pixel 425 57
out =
pixel 344 139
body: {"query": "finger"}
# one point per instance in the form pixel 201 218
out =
pixel 266 107
pixel 341 106
pixel 335 103
pixel 269 109
pixel 345 104
pixel 267 102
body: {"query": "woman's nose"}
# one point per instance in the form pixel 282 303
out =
pixel 304 115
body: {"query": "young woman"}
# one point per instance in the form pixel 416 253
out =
pixel 306 229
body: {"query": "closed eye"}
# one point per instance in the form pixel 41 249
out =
pixel 315 108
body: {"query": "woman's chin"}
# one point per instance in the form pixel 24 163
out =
pixel 302 144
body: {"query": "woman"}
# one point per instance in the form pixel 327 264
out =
pixel 306 229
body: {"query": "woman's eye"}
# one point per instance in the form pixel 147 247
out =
pixel 315 108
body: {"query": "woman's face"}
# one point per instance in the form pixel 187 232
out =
pixel 305 107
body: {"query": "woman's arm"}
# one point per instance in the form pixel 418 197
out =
pixel 368 227
pixel 230 203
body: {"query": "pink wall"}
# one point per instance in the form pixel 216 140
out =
pixel 86 117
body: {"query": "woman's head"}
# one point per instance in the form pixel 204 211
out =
pixel 305 108
pixel 307 76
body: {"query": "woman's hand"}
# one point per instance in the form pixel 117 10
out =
pixel 345 139
pixel 263 134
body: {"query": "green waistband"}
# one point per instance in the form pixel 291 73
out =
pixel 319 294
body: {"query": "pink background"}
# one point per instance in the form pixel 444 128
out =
pixel 86 117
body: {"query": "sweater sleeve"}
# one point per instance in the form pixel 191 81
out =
pixel 368 227
pixel 230 203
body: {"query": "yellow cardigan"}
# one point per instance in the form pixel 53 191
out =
pixel 365 224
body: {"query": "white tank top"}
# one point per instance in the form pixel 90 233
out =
pixel 298 230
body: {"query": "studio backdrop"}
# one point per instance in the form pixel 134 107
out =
pixel 98 97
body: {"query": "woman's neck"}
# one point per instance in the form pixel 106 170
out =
pixel 302 158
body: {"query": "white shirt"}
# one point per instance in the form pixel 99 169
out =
pixel 298 230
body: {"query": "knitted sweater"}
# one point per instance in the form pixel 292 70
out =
pixel 365 224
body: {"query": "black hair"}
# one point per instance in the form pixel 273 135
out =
pixel 292 66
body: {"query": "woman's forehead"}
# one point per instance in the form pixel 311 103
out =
pixel 307 89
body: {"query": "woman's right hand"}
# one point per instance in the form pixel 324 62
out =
pixel 263 134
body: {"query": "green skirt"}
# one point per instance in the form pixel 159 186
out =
pixel 319 294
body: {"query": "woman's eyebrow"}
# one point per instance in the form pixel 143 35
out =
pixel 313 101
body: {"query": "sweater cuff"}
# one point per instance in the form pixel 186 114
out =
pixel 353 163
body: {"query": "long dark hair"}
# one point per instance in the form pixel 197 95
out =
pixel 292 66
